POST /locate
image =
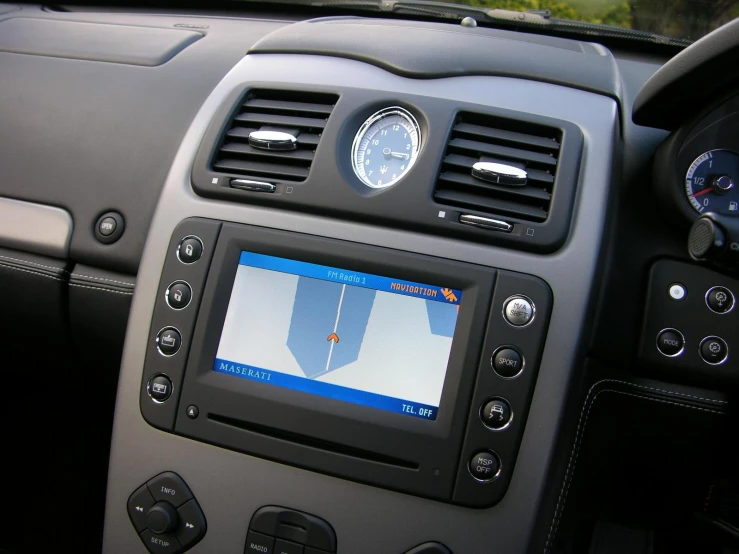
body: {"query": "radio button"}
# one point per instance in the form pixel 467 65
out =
pixel 496 414
pixel 507 362
pixel 256 543
pixel 484 466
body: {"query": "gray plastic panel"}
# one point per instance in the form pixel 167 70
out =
pixel 402 48
pixel 230 486
pixel 94 137
pixel 35 228
pixel 93 41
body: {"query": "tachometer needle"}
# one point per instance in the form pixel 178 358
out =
pixel 400 155
pixel 704 191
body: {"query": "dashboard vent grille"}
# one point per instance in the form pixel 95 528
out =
pixel 478 138
pixel 300 114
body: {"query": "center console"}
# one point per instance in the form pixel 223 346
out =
pixel 390 368
pixel 300 379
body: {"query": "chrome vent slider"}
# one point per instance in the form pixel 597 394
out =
pixel 273 140
pixel 502 174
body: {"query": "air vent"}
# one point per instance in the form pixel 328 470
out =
pixel 274 115
pixel 491 145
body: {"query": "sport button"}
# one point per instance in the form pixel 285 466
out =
pixel 507 362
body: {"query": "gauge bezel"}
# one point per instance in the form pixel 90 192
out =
pixel 362 131
pixel 687 186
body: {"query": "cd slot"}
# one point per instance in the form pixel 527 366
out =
pixel 312 442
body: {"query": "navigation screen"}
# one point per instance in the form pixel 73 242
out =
pixel 355 337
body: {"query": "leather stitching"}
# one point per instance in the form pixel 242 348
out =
pixel 101 289
pixel 580 433
pixel 26 262
pixel 7 266
pixel 101 279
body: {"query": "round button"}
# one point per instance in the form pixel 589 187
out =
pixel 190 250
pixel 159 388
pixel 162 518
pixel 507 362
pixel 518 310
pixel 178 295
pixel 107 226
pixel 192 411
pixel 714 350
pixel 169 341
pixel 484 466
pixel 677 292
pixel 720 300
pixel 670 342
pixel 496 414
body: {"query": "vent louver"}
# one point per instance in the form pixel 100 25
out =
pixel 300 114
pixel 477 138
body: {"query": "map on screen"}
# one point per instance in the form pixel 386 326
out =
pixel 351 336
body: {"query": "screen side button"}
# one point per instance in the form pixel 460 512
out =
pixel 256 543
pixel 507 362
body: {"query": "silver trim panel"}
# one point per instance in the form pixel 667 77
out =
pixel 231 486
pixel 35 228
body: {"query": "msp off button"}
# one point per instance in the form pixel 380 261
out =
pixel 484 466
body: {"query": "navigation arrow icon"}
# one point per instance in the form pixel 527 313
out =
pixel 334 337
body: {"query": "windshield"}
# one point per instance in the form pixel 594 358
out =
pixel 683 19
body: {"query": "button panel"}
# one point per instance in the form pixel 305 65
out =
pixel 287 531
pixel 162 525
pixel 690 340
pixel 183 277
pixel 517 327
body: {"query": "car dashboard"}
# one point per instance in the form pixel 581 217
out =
pixel 360 284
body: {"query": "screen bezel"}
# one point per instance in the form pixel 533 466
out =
pixel 431 445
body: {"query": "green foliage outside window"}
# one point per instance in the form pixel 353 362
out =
pixel 677 18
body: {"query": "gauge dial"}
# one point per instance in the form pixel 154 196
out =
pixel 386 147
pixel 712 182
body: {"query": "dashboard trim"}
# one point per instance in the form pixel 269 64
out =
pixel 230 494
pixel 35 228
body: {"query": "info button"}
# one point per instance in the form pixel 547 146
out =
pixel 507 362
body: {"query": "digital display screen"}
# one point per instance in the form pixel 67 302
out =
pixel 346 335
